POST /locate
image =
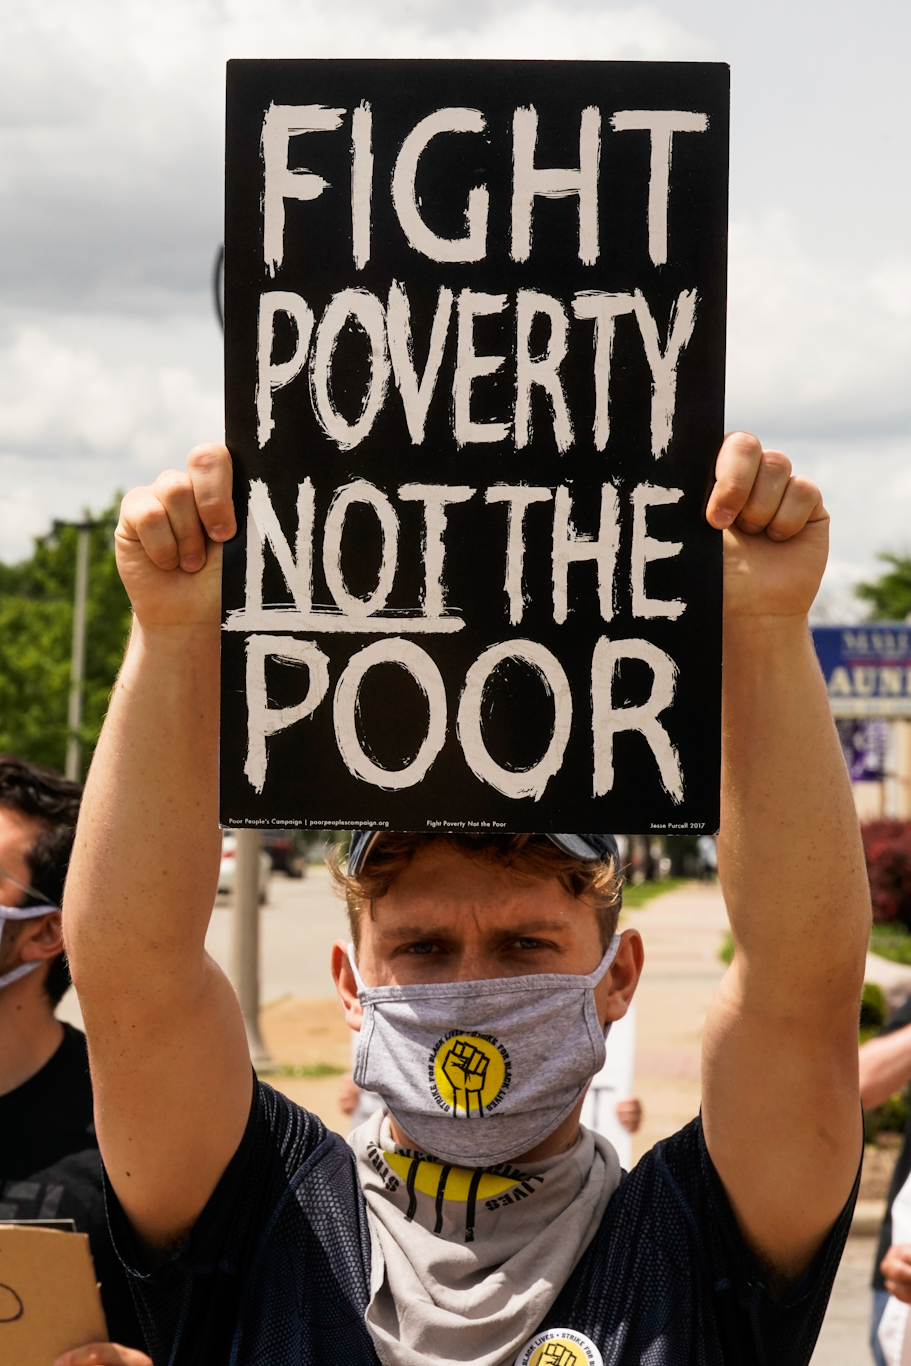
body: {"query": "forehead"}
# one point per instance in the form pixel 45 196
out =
pixel 17 836
pixel 445 886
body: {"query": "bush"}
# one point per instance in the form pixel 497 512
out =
pixel 887 846
pixel 874 1011
pixel 891 1117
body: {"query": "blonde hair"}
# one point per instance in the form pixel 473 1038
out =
pixel 531 856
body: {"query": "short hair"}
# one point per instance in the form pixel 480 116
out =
pixel 54 800
pixel 533 856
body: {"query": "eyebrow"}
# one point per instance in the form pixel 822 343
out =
pixel 526 929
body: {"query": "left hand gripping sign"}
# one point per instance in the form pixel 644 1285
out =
pixel 559 1347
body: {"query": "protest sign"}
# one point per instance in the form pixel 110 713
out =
pixel 49 1300
pixel 474 345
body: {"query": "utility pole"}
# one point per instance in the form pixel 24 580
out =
pixel 246 939
pixel 77 658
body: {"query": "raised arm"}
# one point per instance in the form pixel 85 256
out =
pixel 169 1057
pixel 780 1093
pixel 885 1067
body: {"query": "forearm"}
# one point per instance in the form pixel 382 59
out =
pixel 885 1067
pixel 780 1103
pixel 144 871
pixel 790 856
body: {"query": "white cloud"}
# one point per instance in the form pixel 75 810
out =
pixel 816 344
pixel 111 117
pixel 93 403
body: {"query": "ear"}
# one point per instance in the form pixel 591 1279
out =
pixel 346 986
pixel 41 939
pixel 615 991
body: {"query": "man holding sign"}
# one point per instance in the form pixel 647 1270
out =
pixel 452 287
pixel 246 1222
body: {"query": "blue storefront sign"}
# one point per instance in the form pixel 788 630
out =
pixel 867 668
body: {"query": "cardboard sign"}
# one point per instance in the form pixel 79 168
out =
pixel 474 324
pixel 49 1300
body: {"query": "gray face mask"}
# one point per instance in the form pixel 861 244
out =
pixel 21 913
pixel 499 1083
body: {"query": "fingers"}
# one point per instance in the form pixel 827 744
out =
pixel 144 519
pixel 756 491
pixel 211 473
pixel 735 472
pixel 769 484
pixel 801 503
pixel 900 1289
pixel 174 492
pixel 103 1354
pixel 171 519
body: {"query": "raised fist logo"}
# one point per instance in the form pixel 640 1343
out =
pixel 558 1354
pixel 465 1068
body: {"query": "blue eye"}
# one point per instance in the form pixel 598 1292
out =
pixel 425 947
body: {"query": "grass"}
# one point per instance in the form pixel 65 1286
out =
pixel 637 894
pixel 891 941
pixel 306 1071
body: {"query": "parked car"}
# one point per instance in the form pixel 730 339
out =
pixel 226 872
pixel 282 846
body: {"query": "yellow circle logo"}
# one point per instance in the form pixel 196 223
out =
pixel 469 1074
pixel 559 1347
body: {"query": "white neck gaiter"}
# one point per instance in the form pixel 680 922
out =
pixel 466 1263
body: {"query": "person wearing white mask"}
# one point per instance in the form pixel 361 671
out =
pixel 473 1220
pixel 45 1089
pixel 49 1163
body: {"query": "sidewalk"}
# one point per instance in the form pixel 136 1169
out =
pixel 682 932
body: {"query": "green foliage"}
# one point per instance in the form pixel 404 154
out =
pixel 36 625
pixel 892 941
pixel 889 596
pixel 636 894
pixel 890 1117
pixel 726 952
pixel 874 1011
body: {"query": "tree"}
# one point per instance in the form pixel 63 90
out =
pixel 889 595
pixel 36 626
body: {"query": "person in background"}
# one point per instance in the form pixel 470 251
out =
pixel 610 1107
pixel 885 1067
pixel 50 1167
pixel 45 1090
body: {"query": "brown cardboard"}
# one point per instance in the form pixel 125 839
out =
pixel 49 1300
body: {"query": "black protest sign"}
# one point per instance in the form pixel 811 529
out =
pixel 475 375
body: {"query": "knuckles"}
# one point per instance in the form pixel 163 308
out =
pixel 172 484
pixel 776 463
pixel 208 458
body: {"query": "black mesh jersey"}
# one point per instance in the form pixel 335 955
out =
pixel 276 1271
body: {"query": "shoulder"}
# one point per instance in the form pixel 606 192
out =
pixel 72 1055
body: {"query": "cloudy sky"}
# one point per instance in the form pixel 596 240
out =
pixel 110 184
